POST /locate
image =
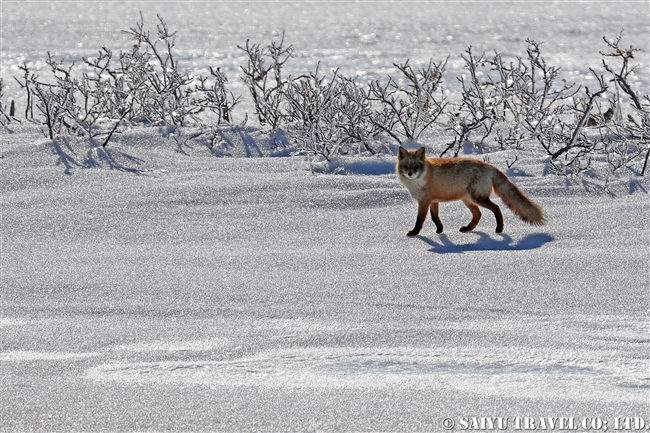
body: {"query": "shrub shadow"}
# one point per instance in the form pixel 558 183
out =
pixel 63 150
pixel 229 144
pixel 96 157
pixel 113 159
pixel 487 243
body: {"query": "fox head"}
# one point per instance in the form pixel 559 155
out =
pixel 410 163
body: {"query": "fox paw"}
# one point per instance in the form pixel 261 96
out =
pixel 412 233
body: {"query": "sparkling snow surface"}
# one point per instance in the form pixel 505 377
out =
pixel 147 289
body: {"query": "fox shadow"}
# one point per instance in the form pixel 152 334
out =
pixel 487 243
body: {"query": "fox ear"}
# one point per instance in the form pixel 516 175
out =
pixel 402 153
pixel 420 153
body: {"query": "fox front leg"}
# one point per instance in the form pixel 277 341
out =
pixel 435 217
pixel 422 216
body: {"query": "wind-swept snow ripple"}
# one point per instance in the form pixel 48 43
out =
pixel 485 371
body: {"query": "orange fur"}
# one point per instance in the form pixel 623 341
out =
pixel 434 180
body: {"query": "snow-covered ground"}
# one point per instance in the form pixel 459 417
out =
pixel 147 287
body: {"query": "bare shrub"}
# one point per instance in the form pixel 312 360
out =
pixel 358 118
pixel 526 95
pixel 406 111
pixel 27 78
pixel 148 86
pixel 567 137
pixel 310 101
pixel 625 137
pixel 516 101
pixel 477 110
pixel 68 105
pixel 621 77
pixel 152 76
pixel 214 96
pixel 141 85
pixel 264 80
pixel 5 116
pixel 56 101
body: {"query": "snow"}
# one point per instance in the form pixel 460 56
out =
pixel 155 287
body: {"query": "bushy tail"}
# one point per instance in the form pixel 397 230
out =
pixel 517 201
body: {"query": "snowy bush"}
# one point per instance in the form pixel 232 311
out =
pixel 478 108
pixel 6 115
pixel 518 103
pixel 524 99
pixel 214 96
pixel 330 117
pixel 408 110
pixel 311 101
pixel 340 116
pixel 264 80
pixel 625 138
pixel 142 85
pixel 57 102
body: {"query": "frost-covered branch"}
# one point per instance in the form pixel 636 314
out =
pixel 477 111
pixel 408 110
pixel 216 97
pixel 264 81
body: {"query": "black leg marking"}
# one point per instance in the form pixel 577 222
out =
pixel 489 204
pixel 436 218
pixel 422 216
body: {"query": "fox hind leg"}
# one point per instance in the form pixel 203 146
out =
pixel 435 217
pixel 489 204
pixel 476 217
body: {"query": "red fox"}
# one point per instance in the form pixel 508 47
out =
pixel 434 180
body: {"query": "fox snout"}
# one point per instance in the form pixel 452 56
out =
pixel 410 173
